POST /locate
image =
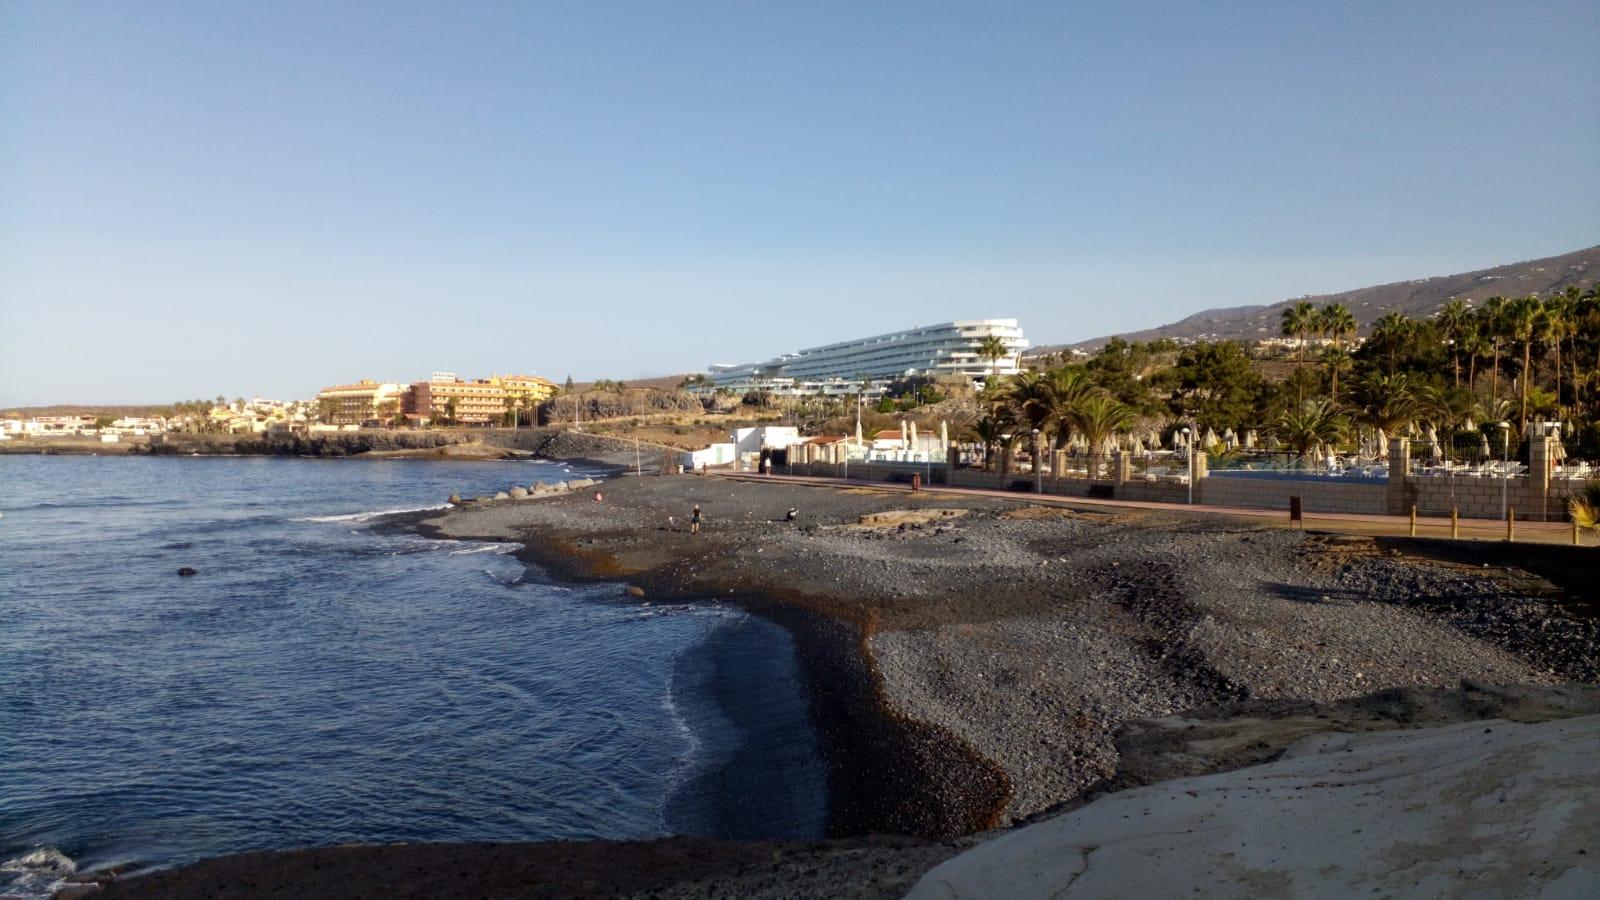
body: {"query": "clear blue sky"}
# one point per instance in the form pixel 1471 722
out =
pixel 262 198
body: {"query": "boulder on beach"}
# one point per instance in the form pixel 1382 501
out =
pixel 455 500
pixel 518 492
pixel 482 498
pixel 563 486
pixel 502 495
pixel 635 591
pixel 540 487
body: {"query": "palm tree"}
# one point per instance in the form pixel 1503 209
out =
pixel 1522 324
pixel 1068 386
pixel 1338 322
pixel 1337 359
pixel 1296 321
pixel 991 431
pixel 1492 322
pixel 993 349
pixel 1386 402
pixel 1098 418
pixel 1392 331
pixel 1556 324
pixel 1474 344
pixel 1030 396
pixel 1492 409
pixel 1434 406
pixel 1312 424
pixel 1453 319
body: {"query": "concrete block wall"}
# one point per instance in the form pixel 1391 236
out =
pixel 1325 495
pixel 1480 498
pixel 1476 498
pixel 1154 492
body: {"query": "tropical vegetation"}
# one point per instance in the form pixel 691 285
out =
pixel 1466 374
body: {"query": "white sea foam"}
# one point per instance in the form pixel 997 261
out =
pixel 501 549
pixel 364 516
pixel 47 860
pixel 37 873
pixel 689 761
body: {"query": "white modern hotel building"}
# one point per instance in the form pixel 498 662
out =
pixel 844 368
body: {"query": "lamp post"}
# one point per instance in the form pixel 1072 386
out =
pixel 1189 446
pixel 1505 469
pixel 1038 470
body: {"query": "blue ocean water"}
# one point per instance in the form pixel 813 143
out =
pixel 321 681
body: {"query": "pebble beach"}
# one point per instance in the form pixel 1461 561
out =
pixel 973 663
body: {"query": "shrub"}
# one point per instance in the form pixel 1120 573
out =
pixel 1584 506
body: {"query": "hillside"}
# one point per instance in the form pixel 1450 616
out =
pixel 85 409
pixel 1416 298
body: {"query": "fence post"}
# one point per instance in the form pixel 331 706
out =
pixel 1455 521
pixel 1511 523
pixel 1413 520
pixel 1577 539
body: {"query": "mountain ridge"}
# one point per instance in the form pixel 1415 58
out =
pixel 1417 297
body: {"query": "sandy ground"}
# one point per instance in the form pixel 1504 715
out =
pixel 973 661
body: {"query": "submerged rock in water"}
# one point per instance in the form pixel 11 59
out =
pixel 185 572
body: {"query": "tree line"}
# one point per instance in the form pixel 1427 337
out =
pixel 1461 372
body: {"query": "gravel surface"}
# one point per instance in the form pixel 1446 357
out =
pixel 1029 634
pixel 973 662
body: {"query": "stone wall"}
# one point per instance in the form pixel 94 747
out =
pixel 1325 495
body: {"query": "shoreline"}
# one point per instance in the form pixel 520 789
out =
pixel 878 761
pixel 987 662
pixel 931 736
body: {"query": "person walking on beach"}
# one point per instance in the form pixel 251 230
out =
pixel 694 521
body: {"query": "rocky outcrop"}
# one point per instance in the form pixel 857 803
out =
pixel 593 405
pixel 340 443
pixel 1494 807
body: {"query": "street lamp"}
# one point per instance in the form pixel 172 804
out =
pixel 1505 469
pixel 1038 470
pixel 1189 446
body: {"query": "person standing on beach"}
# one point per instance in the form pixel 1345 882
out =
pixel 694 521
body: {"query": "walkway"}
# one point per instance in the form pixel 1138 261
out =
pixel 1342 523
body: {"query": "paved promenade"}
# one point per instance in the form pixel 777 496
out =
pixel 1342 523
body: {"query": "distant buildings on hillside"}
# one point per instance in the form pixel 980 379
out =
pixel 960 348
pixel 443 399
